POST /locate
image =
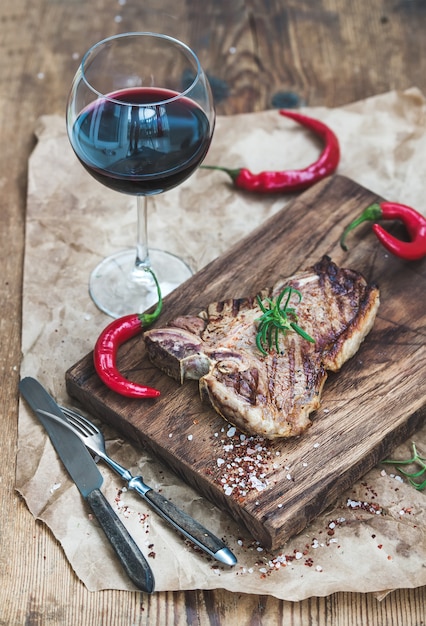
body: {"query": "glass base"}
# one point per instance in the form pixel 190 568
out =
pixel 119 288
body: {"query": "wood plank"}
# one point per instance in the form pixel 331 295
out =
pixel 374 403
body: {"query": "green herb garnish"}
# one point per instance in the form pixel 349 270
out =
pixel 415 460
pixel 277 319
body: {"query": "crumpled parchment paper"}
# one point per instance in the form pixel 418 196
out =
pixel 373 539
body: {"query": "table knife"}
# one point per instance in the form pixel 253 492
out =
pixel 86 475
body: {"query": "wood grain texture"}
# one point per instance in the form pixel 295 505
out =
pixel 372 405
pixel 328 52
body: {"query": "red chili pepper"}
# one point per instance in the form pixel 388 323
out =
pixel 106 347
pixel 291 180
pixel 414 222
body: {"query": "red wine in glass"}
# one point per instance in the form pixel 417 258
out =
pixel 139 127
pixel 141 150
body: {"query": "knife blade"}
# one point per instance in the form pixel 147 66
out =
pixel 88 479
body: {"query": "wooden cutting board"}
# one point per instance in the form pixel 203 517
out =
pixel 374 403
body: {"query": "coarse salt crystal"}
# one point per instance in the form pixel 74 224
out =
pixel 220 462
pixel 190 437
pixel 298 555
pixel 316 445
pixel 318 568
pixel 353 503
pixel 231 432
pixel 288 476
pixel 256 483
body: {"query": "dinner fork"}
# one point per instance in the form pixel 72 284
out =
pixel 94 440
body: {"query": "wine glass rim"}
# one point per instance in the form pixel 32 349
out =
pixel 183 45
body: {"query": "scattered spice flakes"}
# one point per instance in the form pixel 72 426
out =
pixel 369 507
pixel 126 511
pixel 406 510
pixel 243 462
pixel 270 563
pixel 311 552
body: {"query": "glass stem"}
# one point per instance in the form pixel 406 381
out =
pixel 142 261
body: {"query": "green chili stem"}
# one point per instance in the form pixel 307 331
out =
pixel 149 318
pixel 233 173
pixel 372 213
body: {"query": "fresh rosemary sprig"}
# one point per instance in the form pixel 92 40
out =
pixel 277 319
pixel 416 459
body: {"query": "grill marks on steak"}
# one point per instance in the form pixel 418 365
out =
pixel 271 395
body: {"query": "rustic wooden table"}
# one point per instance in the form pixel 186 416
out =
pixel 259 54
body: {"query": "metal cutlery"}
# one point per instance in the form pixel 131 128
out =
pixel 93 439
pixel 86 475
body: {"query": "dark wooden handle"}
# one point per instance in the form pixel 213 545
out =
pixel 131 558
pixel 190 528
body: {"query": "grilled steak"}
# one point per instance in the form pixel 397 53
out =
pixel 270 395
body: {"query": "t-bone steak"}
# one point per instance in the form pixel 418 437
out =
pixel 273 395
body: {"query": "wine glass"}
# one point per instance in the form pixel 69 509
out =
pixel 140 118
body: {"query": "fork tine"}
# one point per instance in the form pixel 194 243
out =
pixel 74 427
pixel 78 420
